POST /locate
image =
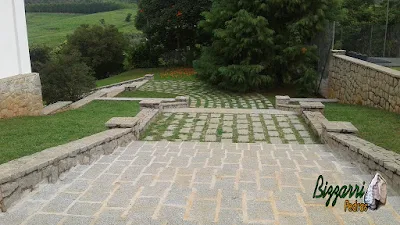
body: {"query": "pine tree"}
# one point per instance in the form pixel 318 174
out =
pixel 257 44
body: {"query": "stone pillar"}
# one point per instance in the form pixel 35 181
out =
pixel 20 95
pixel 20 89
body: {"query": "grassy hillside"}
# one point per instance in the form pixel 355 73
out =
pixel 52 28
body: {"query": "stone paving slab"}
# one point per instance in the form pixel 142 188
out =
pixel 202 183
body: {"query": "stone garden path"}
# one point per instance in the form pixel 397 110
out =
pixel 200 183
pixel 223 125
pixel 229 159
pixel 203 96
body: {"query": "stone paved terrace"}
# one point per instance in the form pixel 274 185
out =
pixel 228 127
pixel 201 183
pixel 203 96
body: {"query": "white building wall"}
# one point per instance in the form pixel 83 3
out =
pixel 14 49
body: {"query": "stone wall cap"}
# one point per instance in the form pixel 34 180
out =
pixel 386 70
pixel 339 127
pixel 282 97
pixel 150 101
pixel 182 98
pixel 19 167
pixel 312 105
pixel 122 122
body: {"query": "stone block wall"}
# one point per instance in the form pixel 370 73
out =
pixel 342 138
pixel 354 81
pixel 20 95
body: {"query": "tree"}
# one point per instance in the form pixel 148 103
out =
pixel 66 78
pixel 362 27
pixel 102 48
pixel 171 25
pixel 256 44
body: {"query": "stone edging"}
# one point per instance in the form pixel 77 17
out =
pixel 341 136
pixel 24 174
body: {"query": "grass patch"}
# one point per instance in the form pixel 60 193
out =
pixel 159 74
pixel 146 94
pixel 375 125
pixel 396 68
pixel 52 28
pixel 26 135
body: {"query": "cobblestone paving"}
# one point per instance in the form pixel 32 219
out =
pixel 201 183
pixel 203 96
pixel 217 127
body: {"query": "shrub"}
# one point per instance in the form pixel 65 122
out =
pixel 40 55
pixel 142 55
pixel 66 78
pixel 101 47
pixel 128 17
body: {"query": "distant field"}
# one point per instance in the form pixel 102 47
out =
pixel 52 28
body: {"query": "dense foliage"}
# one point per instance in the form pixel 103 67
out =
pixel 66 77
pixel 102 48
pixel 172 25
pixel 40 55
pixel 361 27
pixel 256 44
pixel 72 7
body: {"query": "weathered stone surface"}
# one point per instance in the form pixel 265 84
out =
pixel 312 106
pixel 339 127
pixel 314 120
pixel 282 100
pixel 150 103
pixel 355 81
pixel 122 122
pixel 20 95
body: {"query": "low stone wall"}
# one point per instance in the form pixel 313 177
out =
pixel 21 95
pixel 354 81
pixel 178 102
pixel 285 103
pixel 341 136
pixel 23 174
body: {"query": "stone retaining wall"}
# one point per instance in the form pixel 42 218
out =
pixel 341 136
pixel 354 81
pixel 20 95
pixel 24 174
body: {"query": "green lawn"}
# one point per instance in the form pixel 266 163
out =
pixel 377 126
pixel 52 28
pixel 396 68
pixel 146 94
pixel 26 135
pixel 159 74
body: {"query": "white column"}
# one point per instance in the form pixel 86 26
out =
pixel 14 49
